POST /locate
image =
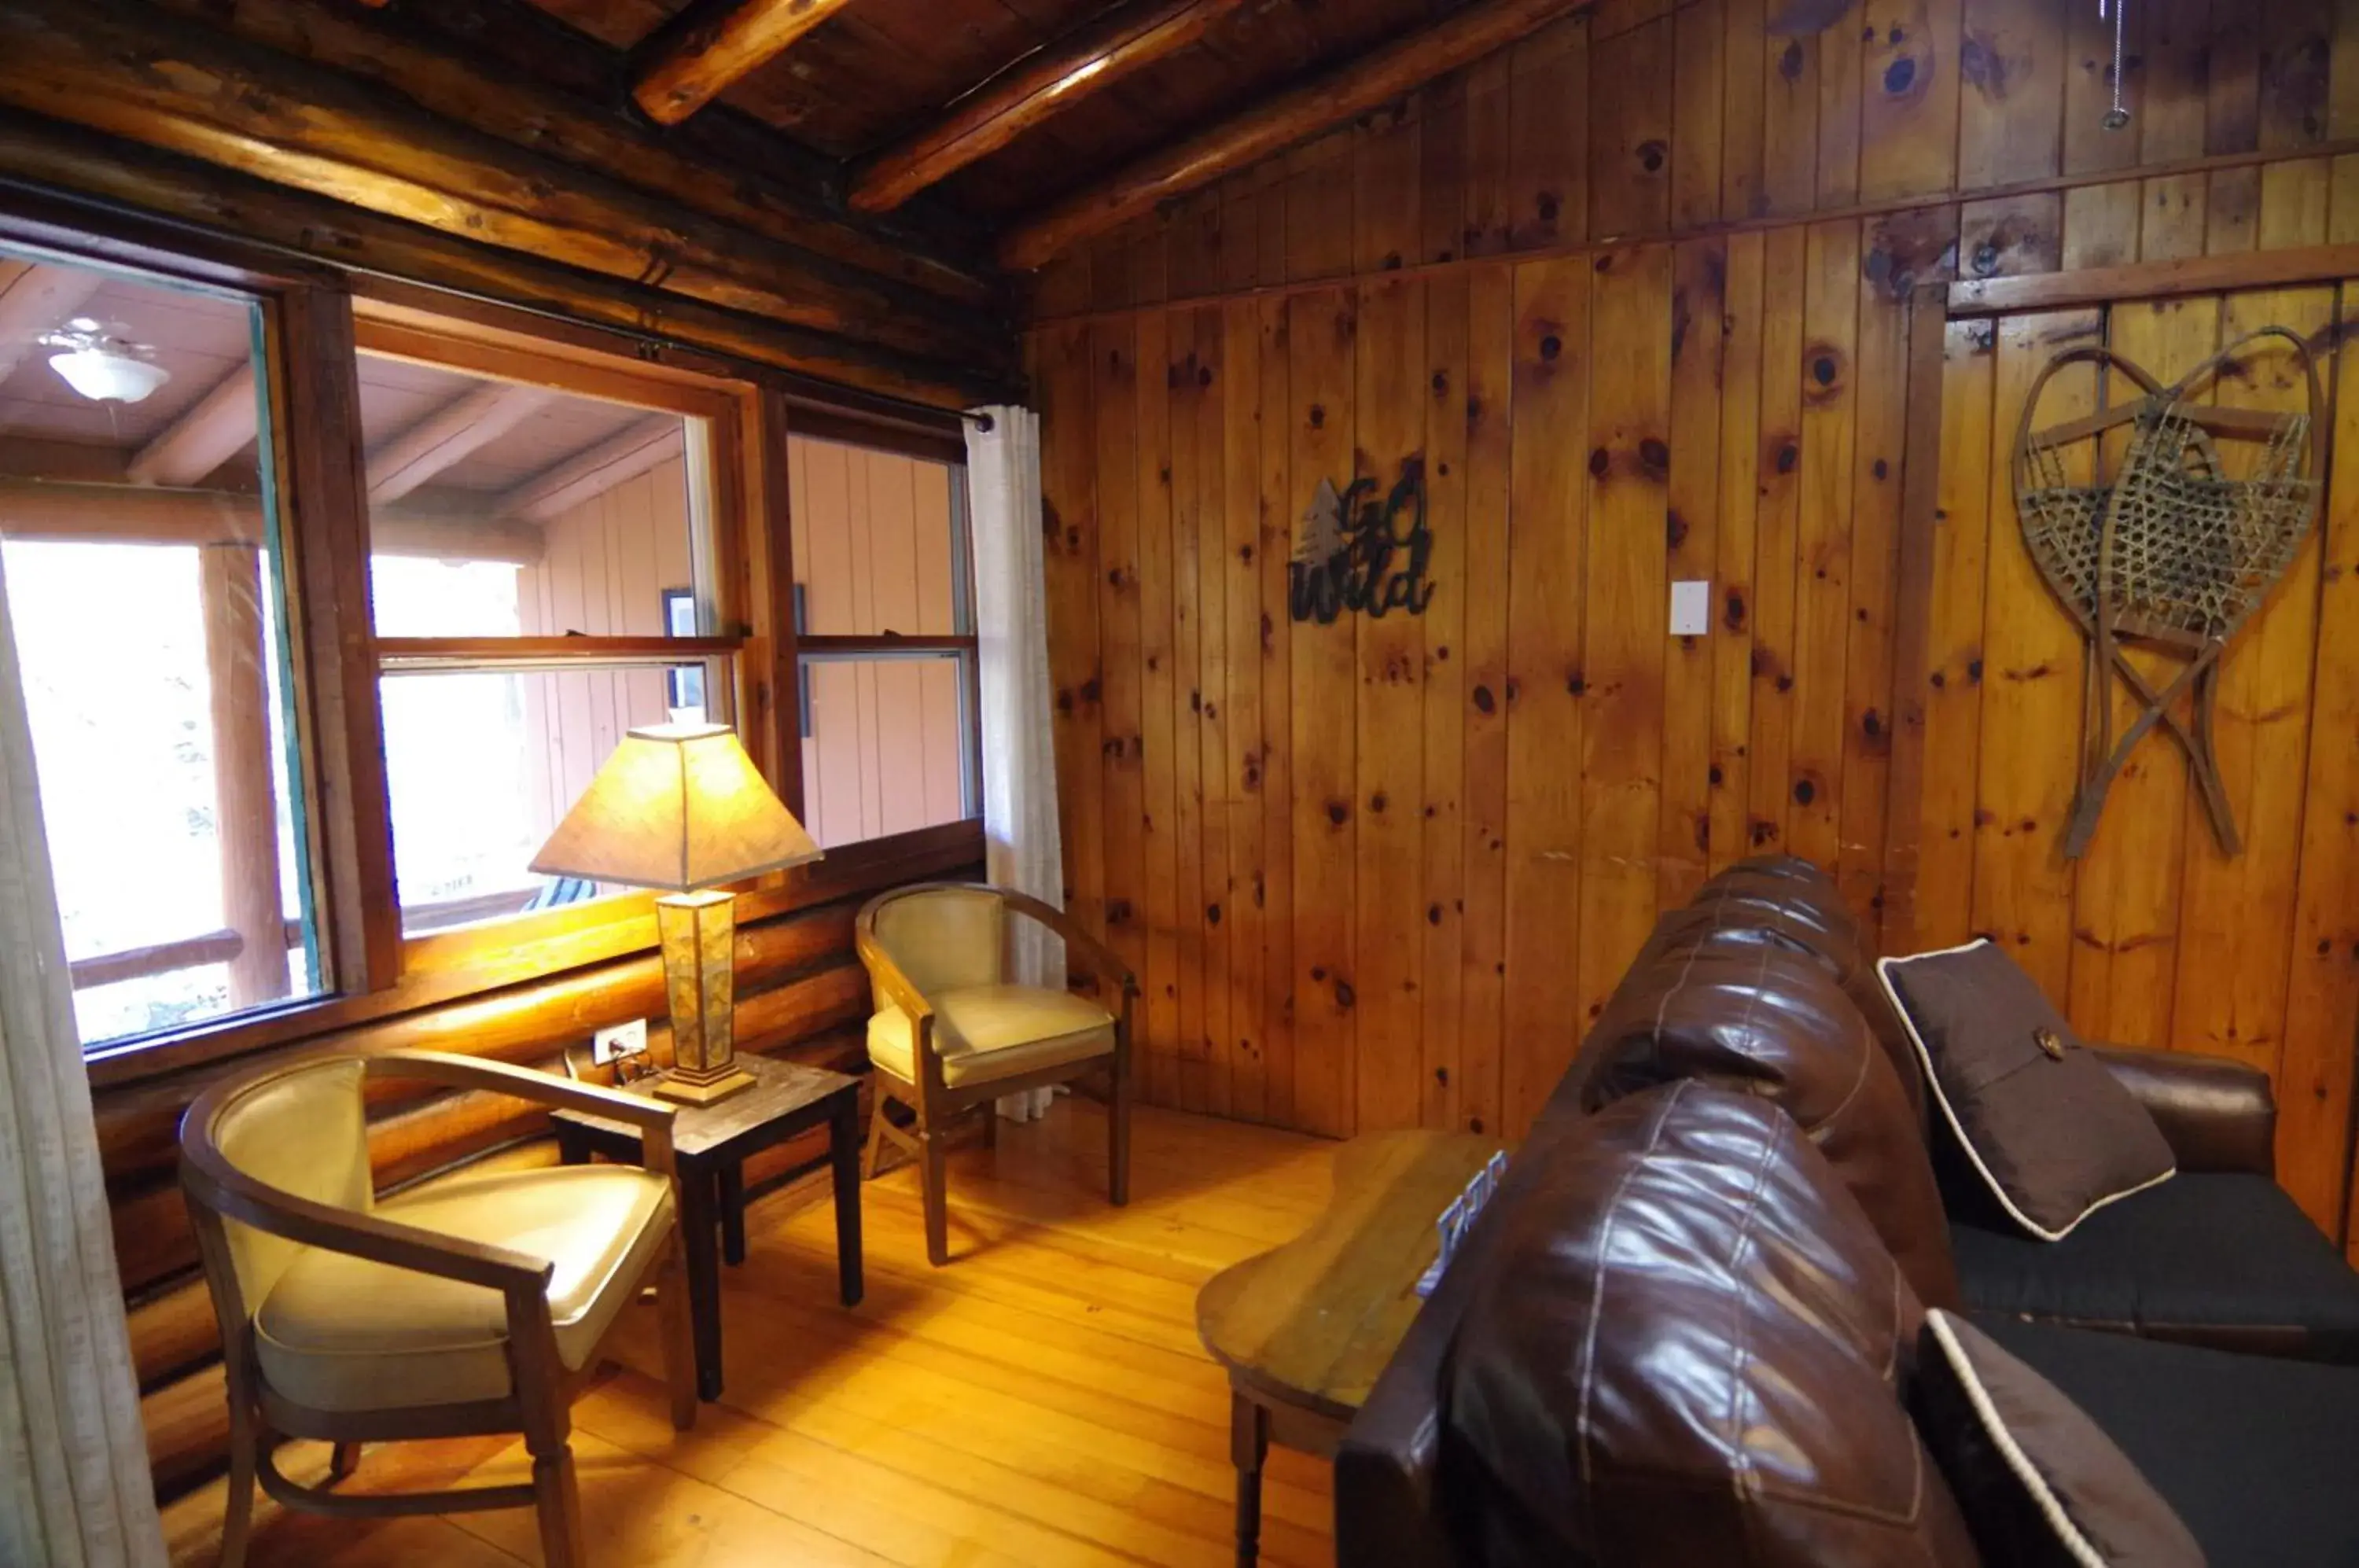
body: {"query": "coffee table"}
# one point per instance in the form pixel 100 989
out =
pixel 1305 1330
pixel 710 1144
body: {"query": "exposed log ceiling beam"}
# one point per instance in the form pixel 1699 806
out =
pixel 690 64
pixel 472 421
pixel 35 298
pixel 215 429
pixel 40 156
pixel 1373 80
pixel 147 514
pixel 1028 92
pixel 466 78
pixel 261 113
pixel 595 470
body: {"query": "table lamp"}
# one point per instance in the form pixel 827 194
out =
pixel 681 807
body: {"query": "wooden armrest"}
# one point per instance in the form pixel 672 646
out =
pixel 1103 959
pixel 214 1183
pixel 652 1117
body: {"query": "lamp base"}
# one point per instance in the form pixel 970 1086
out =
pixel 699 1092
pixel 698 935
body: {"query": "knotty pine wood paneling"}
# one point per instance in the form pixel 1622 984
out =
pixel 1395 899
pixel 1657 342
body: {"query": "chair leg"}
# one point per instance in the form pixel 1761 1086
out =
pixel 557 1499
pixel 936 1197
pixel 343 1459
pixel 237 1508
pixel 991 1124
pixel 674 1314
pixel 1118 1135
pixel 878 1122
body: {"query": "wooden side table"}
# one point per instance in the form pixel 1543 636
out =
pixel 1305 1329
pixel 710 1144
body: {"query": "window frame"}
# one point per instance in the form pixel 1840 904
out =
pixel 828 425
pixel 315 319
pixel 719 413
pixel 306 336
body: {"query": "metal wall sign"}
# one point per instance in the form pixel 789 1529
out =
pixel 1355 551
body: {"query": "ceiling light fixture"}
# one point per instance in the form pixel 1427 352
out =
pixel 103 366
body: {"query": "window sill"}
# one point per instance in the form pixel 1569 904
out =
pixel 450 966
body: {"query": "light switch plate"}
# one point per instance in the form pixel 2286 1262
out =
pixel 622 1039
pixel 1691 608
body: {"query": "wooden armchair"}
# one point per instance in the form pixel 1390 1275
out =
pixel 477 1306
pixel 949 1035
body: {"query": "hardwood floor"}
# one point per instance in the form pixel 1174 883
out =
pixel 1042 1401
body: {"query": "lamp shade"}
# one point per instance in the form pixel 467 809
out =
pixel 677 807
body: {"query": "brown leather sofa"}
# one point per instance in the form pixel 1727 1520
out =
pixel 2204 1324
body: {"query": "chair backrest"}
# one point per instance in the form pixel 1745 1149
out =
pixel 944 937
pixel 304 1132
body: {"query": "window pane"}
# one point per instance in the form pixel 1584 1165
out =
pixel 142 568
pixel 878 541
pixel 498 509
pixel 885 745
pixel 481 765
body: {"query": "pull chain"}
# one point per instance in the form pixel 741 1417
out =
pixel 2118 114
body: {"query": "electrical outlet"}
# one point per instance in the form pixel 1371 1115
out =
pixel 622 1039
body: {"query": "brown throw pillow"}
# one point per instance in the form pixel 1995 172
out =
pixel 2040 1484
pixel 2053 1135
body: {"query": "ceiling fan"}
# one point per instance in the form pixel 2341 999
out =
pixel 97 360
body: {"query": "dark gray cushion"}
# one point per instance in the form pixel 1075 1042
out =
pixel 2259 1456
pixel 2215 1258
pixel 2041 1483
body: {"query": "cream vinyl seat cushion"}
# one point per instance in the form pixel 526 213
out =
pixel 987 1032
pixel 339 1333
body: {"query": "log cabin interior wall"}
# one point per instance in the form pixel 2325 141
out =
pixel 1634 289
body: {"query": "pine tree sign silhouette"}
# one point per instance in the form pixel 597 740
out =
pixel 1353 552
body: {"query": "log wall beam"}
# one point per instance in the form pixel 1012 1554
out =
pixel 693 63
pixel 253 110
pixel 1033 91
pixel 217 428
pixel 50 512
pixel 513 72
pixel 106 176
pixel 35 298
pixel 1278 123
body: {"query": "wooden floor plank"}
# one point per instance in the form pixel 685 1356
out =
pixel 1041 1401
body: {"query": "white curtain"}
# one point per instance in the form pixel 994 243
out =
pixel 1019 762
pixel 74 1490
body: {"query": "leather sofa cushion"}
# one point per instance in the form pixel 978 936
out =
pixel 2041 1121
pixel 2227 1260
pixel 1809 896
pixel 1683 1350
pixel 2260 1456
pixel 2041 1483
pixel 984 1033
pixel 1774 1023
pixel 339 1333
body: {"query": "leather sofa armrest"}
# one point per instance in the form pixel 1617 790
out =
pixel 2216 1113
